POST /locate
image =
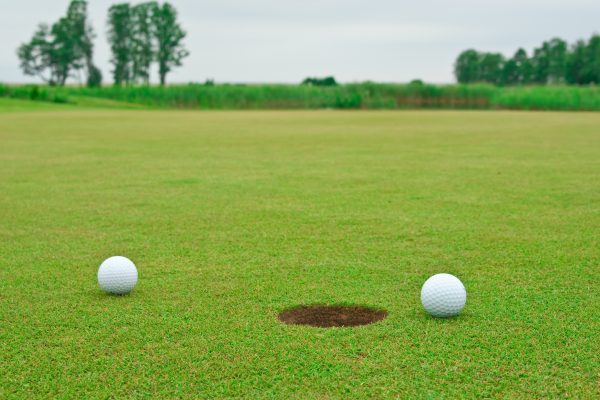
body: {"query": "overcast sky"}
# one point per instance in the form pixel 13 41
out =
pixel 354 40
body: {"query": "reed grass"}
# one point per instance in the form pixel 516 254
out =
pixel 367 95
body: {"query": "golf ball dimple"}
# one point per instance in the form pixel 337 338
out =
pixel 443 295
pixel 117 275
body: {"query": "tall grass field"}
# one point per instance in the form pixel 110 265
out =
pixel 232 217
pixel 349 96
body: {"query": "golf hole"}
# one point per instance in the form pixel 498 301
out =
pixel 329 316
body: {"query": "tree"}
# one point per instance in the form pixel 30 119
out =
pixel 55 52
pixel 169 35
pixel 550 62
pixel 36 57
pixel 490 67
pixel 591 71
pixel 143 52
pixel 119 37
pixel 517 70
pixel 557 68
pixel 524 67
pixel 64 51
pixel 510 73
pixel 466 67
pixel 142 34
pixel 576 63
pixel 541 63
pixel 82 36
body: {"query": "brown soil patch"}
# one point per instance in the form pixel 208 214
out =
pixel 325 316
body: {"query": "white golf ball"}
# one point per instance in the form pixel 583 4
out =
pixel 443 295
pixel 117 275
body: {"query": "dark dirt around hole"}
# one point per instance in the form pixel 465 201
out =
pixel 328 316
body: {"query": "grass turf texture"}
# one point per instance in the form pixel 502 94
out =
pixel 232 217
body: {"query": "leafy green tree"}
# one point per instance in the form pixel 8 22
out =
pixel 517 70
pixel 591 71
pixel 55 53
pixel 64 51
pixel 143 34
pixel 558 54
pixel 82 36
pixel 169 36
pixel 466 67
pixel 490 67
pixel 36 56
pixel 119 37
pixel 576 63
pixel 550 62
pixel 510 73
pixel 523 66
pixel 541 64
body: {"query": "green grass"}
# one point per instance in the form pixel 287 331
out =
pixel 82 102
pixel 349 96
pixel 7 105
pixel 234 216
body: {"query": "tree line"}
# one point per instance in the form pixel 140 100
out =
pixel 139 35
pixel 554 62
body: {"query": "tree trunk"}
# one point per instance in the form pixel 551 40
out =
pixel 162 72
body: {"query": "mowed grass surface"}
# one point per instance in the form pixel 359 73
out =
pixel 232 217
pixel 11 105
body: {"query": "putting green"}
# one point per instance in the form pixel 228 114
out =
pixel 232 217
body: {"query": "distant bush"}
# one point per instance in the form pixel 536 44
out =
pixel 327 81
